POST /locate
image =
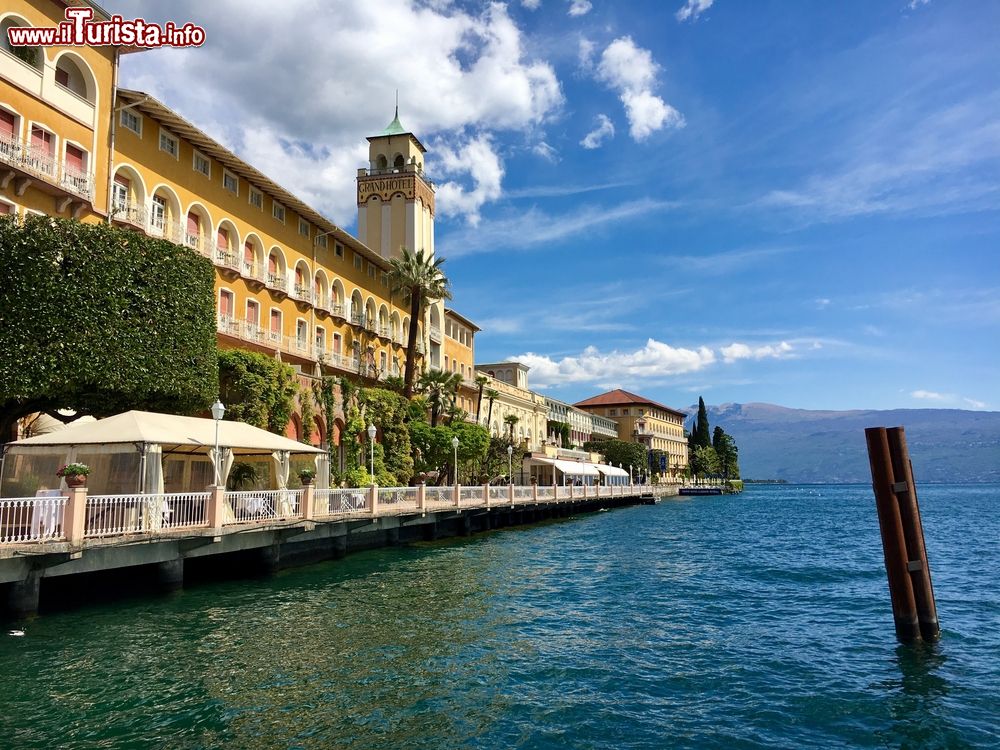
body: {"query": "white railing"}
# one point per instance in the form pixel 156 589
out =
pixel 470 496
pixel 263 505
pixel 40 519
pixel 250 270
pixel 130 214
pixel 31 519
pixel 337 309
pixel 499 494
pixel 38 159
pixel 398 499
pixel 302 293
pixel 115 515
pixel 439 495
pixel 357 319
pixel 277 281
pixel 340 502
pixel 77 181
pixel 226 258
pixel 10 149
pixel 436 334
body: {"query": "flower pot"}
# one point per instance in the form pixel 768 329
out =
pixel 306 481
pixel 75 480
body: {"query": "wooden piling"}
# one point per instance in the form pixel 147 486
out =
pixel 913 534
pixel 906 567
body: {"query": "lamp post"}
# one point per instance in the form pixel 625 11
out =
pixel 454 447
pixel 218 412
pixel 371 439
pixel 510 459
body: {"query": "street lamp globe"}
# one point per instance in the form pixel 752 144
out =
pixel 510 470
pixel 218 410
pixel 372 432
pixel 454 447
pixel 371 442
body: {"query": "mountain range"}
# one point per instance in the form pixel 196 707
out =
pixel 801 445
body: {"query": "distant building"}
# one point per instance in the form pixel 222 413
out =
pixel 510 381
pixel 641 420
pixel 460 357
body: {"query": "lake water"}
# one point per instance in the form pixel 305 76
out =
pixel 760 620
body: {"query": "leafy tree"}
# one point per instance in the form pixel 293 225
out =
pixel 617 452
pixel 702 433
pixel 387 410
pixel 102 320
pixel 704 461
pixel 257 389
pixel 420 278
pixel 491 396
pixel 562 429
pixel 481 381
pixel 440 388
pixel 728 453
pixel 511 421
pixel 495 461
pixel 435 454
pixel 326 394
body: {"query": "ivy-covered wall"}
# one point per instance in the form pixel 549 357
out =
pixel 102 320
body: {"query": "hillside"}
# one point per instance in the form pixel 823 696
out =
pixel 799 445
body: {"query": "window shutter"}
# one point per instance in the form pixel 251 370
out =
pixel 222 240
pixel 6 123
pixel 194 225
pixel 74 157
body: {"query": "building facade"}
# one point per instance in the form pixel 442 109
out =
pixel 55 123
pixel 514 401
pixel 289 282
pixel 460 358
pixel 640 420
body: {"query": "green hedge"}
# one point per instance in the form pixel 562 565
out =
pixel 102 320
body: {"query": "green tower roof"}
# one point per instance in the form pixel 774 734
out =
pixel 395 127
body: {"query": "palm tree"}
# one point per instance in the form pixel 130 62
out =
pixel 440 388
pixel 510 420
pixel 481 381
pixel 491 396
pixel 420 277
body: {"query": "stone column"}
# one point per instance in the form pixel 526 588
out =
pixel 486 494
pixel 215 513
pixel 75 515
pixel 22 596
pixel 308 508
pixel 373 499
pixel 422 497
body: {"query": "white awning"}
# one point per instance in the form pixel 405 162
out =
pixel 570 468
pixel 611 471
pixel 174 433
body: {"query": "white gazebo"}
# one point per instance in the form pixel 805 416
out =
pixel 146 452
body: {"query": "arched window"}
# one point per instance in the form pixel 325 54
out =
pixel 381 163
pixel 398 162
pixel 33 56
pixel 70 74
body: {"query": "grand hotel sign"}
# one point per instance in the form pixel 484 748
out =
pixel 386 187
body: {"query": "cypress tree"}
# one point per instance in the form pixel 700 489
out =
pixel 702 434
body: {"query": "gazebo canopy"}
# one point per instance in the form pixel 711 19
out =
pixel 173 433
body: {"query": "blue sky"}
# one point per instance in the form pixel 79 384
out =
pixel 792 202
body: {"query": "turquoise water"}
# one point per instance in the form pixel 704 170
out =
pixel 760 620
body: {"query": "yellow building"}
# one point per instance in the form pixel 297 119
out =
pixel 55 123
pixel 289 282
pixel 509 380
pixel 459 357
pixel 643 421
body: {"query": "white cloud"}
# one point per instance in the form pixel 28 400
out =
pixel 531 4
pixel 914 4
pixel 476 158
pixel 737 351
pixel 631 71
pixel 725 262
pixel 595 138
pixel 931 395
pixel 694 8
pixel 579 7
pixel 822 303
pixel 469 73
pixel 524 230
pixel 654 360
pixel 545 151
pixel 974 403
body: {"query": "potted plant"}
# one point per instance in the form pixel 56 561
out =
pixel 306 476
pixel 75 474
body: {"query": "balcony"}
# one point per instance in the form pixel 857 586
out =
pixel 27 163
pixel 229 326
pixel 370 324
pixel 436 334
pixel 302 293
pixel 227 259
pixel 127 213
pixel 383 331
pixel 322 302
pixel 277 281
pixel 336 309
pixel 78 182
pixel 250 270
pixel 357 319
